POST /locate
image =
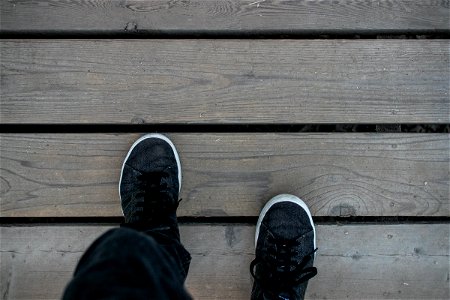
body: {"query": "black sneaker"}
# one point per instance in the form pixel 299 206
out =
pixel 285 243
pixel 150 183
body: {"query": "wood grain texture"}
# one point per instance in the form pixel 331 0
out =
pixel 236 16
pixel 225 81
pixel 354 262
pixel 346 174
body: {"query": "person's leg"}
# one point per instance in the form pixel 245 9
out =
pixel 126 264
pixel 285 244
pixel 145 258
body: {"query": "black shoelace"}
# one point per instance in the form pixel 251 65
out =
pixel 157 196
pixel 280 271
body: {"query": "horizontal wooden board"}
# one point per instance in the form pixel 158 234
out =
pixel 225 81
pixel 224 16
pixel 337 174
pixel 354 262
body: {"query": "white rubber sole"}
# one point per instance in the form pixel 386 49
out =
pixel 283 198
pixel 149 136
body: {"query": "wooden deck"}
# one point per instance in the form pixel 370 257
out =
pixel 72 72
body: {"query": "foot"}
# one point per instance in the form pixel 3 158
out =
pixel 285 249
pixel 150 183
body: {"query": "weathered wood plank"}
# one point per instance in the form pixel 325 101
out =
pixel 225 81
pixel 340 174
pixel 354 262
pixel 235 16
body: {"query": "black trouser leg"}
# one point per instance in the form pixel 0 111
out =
pixel 127 264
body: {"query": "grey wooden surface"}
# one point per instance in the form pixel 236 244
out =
pixel 225 81
pixel 337 174
pixel 354 262
pixel 209 81
pixel 224 16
